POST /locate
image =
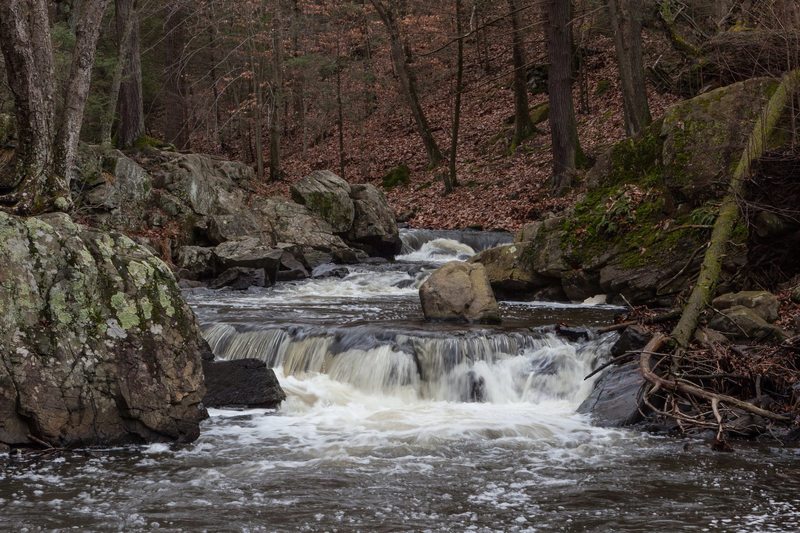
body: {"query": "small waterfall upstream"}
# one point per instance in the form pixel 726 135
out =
pixel 495 367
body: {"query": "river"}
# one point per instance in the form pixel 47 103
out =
pixel 392 424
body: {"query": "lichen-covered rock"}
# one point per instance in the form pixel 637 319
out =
pixel 119 182
pixel 461 292
pixel 510 268
pixel 374 228
pixel 763 303
pixel 97 345
pixel 222 228
pixel 327 195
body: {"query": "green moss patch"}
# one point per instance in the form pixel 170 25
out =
pixel 399 175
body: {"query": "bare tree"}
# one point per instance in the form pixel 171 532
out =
pixel 563 128
pixel 176 112
pixel 626 23
pixel 451 179
pixel 277 96
pixel 523 125
pixel 47 134
pixel 408 83
pixel 130 125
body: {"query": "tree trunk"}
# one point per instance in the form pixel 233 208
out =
pixel 176 114
pixel 277 98
pixel 124 17
pixel 563 128
pixel 47 145
pixel 131 107
pixel 340 112
pixel 626 24
pixel 523 126
pixel 452 180
pixel 728 215
pixel 408 83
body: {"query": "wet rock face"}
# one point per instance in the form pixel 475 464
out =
pixel 242 382
pixel 96 343
pixel 459 292
pixel 374 227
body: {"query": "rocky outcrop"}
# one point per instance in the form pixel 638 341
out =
pixel 461 292
pixel 374 227
pixel 96 344
pixel 740 322
pixel 765 304
pixel 328 196
pixel 241 383
pixel 639 231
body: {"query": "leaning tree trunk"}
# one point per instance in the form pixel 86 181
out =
pixel 451 178
pixel 626 23
pixel 729 210
pixel 47 144
pixel 130 126
pixel 563 128
pixel 408 83
pixel 523 125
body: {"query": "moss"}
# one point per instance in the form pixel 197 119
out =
pixel 603 86
pixel 638 160
pixel 145 141
pixel 540 113
pixel 399 175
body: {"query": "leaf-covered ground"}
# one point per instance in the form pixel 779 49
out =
pixel 498 189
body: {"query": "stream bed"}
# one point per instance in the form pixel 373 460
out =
pixel 392 424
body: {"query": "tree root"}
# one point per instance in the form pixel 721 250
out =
pixel 676 385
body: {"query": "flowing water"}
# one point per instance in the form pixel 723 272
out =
pixel 392 424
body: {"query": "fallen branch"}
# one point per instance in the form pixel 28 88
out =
pixel 658 319
pixel 673 385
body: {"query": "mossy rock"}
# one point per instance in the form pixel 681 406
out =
pixel 704 137
pixel 397 176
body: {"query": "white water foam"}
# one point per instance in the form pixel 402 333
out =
pixel 439 251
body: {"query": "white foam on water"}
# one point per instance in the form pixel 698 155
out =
pixel 439 251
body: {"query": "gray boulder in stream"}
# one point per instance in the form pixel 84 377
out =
pixel 96 344
pixel 328 196
pixel 461 292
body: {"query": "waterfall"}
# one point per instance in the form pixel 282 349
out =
pixel 414 239
pixel 487 366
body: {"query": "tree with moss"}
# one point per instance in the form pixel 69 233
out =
pixel 48 131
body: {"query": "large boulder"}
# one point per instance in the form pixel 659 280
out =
pixel 195 262
pixel 97 345
pixel 113 180
pixel 704 137
pixel 296 224
pixel 510 268
pixel 249 252
pixel 241 383
pixel 374 228
pixel 461 292
pixel 327 195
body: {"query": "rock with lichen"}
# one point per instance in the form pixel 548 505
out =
pixel 96 343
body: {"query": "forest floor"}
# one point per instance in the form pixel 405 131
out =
pixel 498 189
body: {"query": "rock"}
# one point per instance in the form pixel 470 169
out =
pixel 632 339
pixel 329 270
pixel 290 268
pixel 374 227
pixel 397 176
pixel 249 252
pixel 548 259
pixel 764 304
pixel 124 184
pixel 296 224
pixel 223 228
pixel 97 345
pixel 196 262
pixel 328 196
pixel 8 126
pixel 616 399
pixel 581 284
pixel 770 225
pixel 209 186
pixel 709 337
pixel 742 322
pixel 240 279
pixel 510 268
pixel 241 383
pixel 795 296
pixel 529 232
pixel 704 137
pixel 459 291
